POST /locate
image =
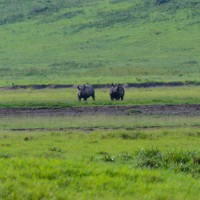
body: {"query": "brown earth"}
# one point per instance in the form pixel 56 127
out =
pixel 182 109
pixel 134 85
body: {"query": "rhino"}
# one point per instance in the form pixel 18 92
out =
pixel 85 91
pixel 117 92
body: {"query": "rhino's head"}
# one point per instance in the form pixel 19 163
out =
pixel 81 89
pixel 116 91
pixel 114 88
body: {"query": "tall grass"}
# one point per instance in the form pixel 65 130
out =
pixel 145 165
pixel 60 179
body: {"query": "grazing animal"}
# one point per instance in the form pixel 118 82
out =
pixel 85 91
pixel 117 92
pixel 158 2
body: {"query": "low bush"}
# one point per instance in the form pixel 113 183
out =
pixel 178 161
pixel 187 162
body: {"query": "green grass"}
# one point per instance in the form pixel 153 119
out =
pixel 132 156
pixel 99 156
pixel 72 42
pixel 99 121
pixel 60 98
pixel 56 179
pixel 73 164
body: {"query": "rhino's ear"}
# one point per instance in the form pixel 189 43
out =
pixel 83 87
pixel 112 85
pixel 78 87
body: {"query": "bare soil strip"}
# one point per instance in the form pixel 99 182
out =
pixel 182 109
pixel 89 129
pixel 134 85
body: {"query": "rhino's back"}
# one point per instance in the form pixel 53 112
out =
pixel 88 91
pixel 117 93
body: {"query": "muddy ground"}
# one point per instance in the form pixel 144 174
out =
pixel 108 110
pixel 131 85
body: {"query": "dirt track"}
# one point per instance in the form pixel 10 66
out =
pixel 135 85
pixel 109 110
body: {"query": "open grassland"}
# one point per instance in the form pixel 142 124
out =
pixel 61 179
pixel 99 156
pixel 61 98
pixel 101 164
pixel 102 121
pixel 89 155
pixel 103 41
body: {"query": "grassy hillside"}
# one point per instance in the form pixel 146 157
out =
pixel 79 41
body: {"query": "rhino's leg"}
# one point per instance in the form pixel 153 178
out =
pixel 117 98
pixel 122 98
pixel 93 97
pixel 79 98
pixel 85 99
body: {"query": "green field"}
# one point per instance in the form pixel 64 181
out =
pixel 48 153
pixel 61 98
pixel 73 42
pixel 133 121
pixel 150 163
pixel 99 156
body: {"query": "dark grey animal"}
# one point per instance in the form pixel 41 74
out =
pixel 117 92
pixel 158 2
pixel 85 91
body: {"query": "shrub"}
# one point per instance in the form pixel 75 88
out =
pixel 188 162
pixel 151 158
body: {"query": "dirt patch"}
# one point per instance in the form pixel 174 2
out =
pixel 90 130
pixel 182 109
pixel 131 85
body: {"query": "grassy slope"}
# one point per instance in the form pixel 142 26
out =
pixel 98 41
